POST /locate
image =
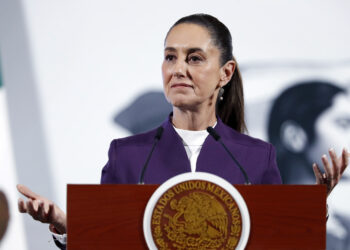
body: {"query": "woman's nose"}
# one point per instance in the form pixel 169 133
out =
pixel 180 69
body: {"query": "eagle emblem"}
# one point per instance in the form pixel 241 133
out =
pixel 200 219
pixel 196 214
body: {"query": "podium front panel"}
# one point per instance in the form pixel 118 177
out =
pixel 111 216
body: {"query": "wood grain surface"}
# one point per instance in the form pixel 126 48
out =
pixel 111 216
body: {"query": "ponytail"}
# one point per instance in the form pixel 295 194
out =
pixel 231 108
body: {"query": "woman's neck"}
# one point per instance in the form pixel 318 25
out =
pixel 190 120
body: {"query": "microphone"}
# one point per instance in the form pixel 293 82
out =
pixel 217 137
pixel 156 139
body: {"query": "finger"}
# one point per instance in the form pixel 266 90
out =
pixel 22 206
pixel 328 173
pixel 327 167
pixel 27 192
pixel 36 204
pixel 41 212
pixel 34 209
pixel 46 208
pixel 30 209
pixel 335 166
pixel 50 213
pixel 345 160
pixel 317 173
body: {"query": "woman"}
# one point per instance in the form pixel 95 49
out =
pixel 202 82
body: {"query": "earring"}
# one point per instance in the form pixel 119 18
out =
pixel 221 92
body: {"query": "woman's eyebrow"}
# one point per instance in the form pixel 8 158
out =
pixel 172 49
pixel 189 50
pixel 192 50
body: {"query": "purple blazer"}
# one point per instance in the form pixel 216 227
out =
pixel 128 155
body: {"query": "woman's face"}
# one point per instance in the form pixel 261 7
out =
pixel 191 67
pixel 332 129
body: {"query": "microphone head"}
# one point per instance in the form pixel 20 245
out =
pixel 159 133
pixel 213 133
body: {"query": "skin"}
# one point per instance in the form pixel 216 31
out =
pixel 192 77
pixel 333 171
pixel 42 209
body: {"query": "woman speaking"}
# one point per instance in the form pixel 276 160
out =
pixel 202 82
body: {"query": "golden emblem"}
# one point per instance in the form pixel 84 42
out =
pixel 196 214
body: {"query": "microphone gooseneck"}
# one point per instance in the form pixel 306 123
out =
pixel 217 138
pixel 156 139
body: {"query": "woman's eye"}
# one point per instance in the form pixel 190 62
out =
pixel 169 57
pixel 194 59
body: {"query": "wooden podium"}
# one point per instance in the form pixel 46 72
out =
pixel 111 216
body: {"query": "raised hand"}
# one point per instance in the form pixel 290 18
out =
pixel 42 209
pixel 333 172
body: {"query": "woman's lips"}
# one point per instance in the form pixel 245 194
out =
pixel 177 85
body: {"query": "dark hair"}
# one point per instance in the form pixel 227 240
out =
pixel 231 108
pixel 302 103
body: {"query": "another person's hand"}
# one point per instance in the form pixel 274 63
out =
pixel 43 210
pixel 333 172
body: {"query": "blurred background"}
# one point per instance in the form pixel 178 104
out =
pixel 76 74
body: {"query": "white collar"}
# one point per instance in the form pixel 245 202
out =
pixel 192 137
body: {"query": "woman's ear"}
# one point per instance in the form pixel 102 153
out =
pixel 226 72
pixel 293 136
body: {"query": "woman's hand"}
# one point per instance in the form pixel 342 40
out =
pixel 43 210
pixel 332 173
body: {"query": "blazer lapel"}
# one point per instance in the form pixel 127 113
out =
pixel 214 159
pixel 169 157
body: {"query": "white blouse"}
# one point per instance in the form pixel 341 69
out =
pixel 193 142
